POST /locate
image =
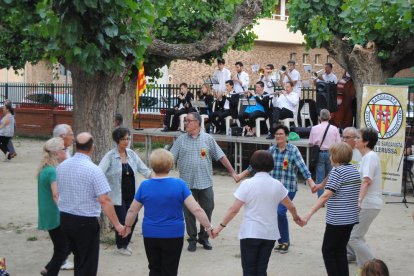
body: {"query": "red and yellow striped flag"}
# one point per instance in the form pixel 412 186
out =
pixel 141 85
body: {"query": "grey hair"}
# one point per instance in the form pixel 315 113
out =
pixel 61 129
pixel 324 115
pixel 49 157
pixel 351 129
pixel 196 116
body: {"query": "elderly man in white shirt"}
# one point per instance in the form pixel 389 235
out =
pixel 241 79
pixel 221 75
pixel 327 76
pixel 292 75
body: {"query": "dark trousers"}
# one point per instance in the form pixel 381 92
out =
pixel 205 198
pixel 250 118
pixel 335 239
pixel 4 140
pixel 60 251
pixel 279 114
pixel 255 254
pixel 176 117
pixel 121 212
pixel 217 118
pixel 83 237
pixel 163 255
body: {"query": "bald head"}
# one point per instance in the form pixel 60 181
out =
pixel 84 142
pixel 348 136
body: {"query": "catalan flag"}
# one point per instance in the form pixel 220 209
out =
pixel 141 85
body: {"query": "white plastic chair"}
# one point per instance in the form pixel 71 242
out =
pixel 228 119
pixel 181 126
pixel 286 122
pixel 305 115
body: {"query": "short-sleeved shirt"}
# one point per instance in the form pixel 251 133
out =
pixel 80 182
pixel 261 195
pixel 371 167
pixel 286 166
pixel 163 200
pixel 342 207
pixel 48 212
pixel 194 159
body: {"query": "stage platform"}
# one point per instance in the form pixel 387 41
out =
pixel 236 141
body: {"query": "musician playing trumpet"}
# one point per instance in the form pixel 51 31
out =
pixel 291 75
pixel 269 78
pixel 327 76
pixel 253 111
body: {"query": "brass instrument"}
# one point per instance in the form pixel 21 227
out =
pixel 316 74
pixel 261 72
pixel 282 70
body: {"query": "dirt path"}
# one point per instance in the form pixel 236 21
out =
pixel 27 249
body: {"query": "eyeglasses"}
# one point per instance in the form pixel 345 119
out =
pixel 188 121
pixel 348 137
pixel 357 137
pixel 125 139
pixel 280 134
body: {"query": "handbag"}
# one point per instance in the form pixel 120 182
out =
pixel 314 151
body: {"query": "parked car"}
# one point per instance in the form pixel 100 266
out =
pixel 45 100
pixel 150 104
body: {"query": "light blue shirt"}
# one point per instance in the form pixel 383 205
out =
pixel 80 182
pixel 111 165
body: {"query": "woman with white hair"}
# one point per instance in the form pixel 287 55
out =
pixel 48 212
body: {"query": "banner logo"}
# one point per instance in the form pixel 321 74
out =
pixel 384 114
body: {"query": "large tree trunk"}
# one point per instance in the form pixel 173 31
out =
pixel 95 99
pixel 365 68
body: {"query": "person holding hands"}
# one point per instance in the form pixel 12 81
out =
pixel 260 196
pixel 341 198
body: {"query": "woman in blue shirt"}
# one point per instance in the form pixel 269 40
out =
pixel 163 227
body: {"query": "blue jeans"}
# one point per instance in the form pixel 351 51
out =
pixel 282 220
pixel 255 254
pixel 322 168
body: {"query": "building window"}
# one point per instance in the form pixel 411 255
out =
pixel 305 59
pixel 317 59
pixel 328 59
pixel 293 56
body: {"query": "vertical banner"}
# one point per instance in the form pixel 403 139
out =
pixel 384 109
pixel 141 85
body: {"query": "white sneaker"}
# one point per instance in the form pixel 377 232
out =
pixel 67 265
pixel 129 249
pixel 123 251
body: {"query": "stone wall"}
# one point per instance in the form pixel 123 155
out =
pixel 262 53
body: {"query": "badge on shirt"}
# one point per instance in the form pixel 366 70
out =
pixel 203 153
pixel 285 163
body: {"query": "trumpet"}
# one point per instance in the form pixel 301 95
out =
pixel 316 74
pixel 282 70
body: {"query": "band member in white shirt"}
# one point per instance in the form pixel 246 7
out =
pixel 286 107
pixel 292 75
pixel 327 76
pixel 221 75
pixel 241 79
pixel 269 78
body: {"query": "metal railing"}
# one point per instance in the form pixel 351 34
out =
pixel 156 98
pixel 40 96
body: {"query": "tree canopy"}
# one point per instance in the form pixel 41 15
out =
pixel 339 26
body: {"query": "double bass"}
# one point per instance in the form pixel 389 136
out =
pixel 346 101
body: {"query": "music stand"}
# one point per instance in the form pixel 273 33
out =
pixel 406 172
pixel 210 80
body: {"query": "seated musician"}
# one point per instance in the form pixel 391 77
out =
pixel 226 105
pixel 208 98
pixel 182 107
pixel 286 107
pixel 252 112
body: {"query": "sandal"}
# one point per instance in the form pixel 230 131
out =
pixel 250 134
